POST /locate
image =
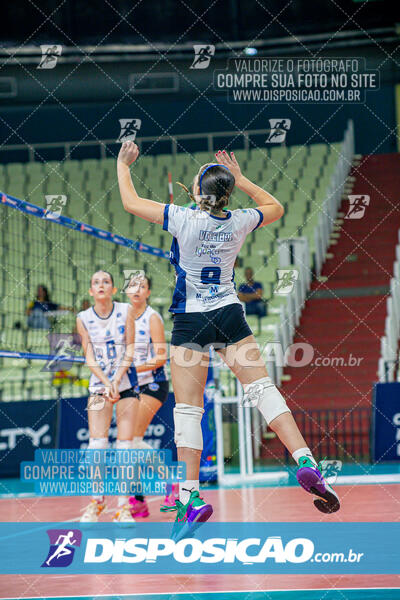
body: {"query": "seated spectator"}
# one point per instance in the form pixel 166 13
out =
pixel 251 293
pixel 36 311
pixel 76 338
pixel 85 305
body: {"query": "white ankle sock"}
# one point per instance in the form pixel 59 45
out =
pixel 303 452
pixel 186 487
pixel 99 499
pixel 139 444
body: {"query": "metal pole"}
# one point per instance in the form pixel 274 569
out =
pixel 220 435
pixel 241 434
pixel 246 141
pixel 210 143
pixel 248 440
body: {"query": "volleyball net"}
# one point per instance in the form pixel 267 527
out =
pixel 47 260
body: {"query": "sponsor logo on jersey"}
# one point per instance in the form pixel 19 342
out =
pixel 212 294
pixel 213 290
pixel 215 236
pixel 211 251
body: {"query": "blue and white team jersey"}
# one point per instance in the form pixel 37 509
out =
pixel 203 252
pixel 144 349
pixel 108 339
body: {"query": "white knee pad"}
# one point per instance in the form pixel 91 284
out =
pixel 98 444
pixel 139 444
pixel 188 432
pixel 123 444
pixel 265 395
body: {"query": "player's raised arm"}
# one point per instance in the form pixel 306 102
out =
pixel 133 203
pixel 270 207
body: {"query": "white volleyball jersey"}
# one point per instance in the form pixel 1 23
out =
pixel 144 349
pixel 203 252
pixel 108 339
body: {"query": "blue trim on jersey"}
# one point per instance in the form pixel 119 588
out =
pixel 159 375
pixel 179 298
pixel 104 318
pixel 261 218
pixel 165 223
pixel 132 376
pixel 228 216
pixel 143 313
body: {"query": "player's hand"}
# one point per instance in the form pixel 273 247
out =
pixel 128 153
pixel 223 158
pixel 114 391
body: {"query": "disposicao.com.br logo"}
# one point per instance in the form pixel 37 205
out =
pixel 247 551
pixel 62 547
pixel 216 547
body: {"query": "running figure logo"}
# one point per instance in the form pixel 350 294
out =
pixel 129 129
pixel 279 129
pixel 63 348
pixel 133 278
pixel 62 547
pixel 202 56
pixel 55 204
pixel 330 469
pixel 50 54
pixel 253 395
pixel 286 280
pixel 357 206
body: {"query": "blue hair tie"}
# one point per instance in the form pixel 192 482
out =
pixel 205 171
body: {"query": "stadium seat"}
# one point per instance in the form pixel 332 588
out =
pixel 38 252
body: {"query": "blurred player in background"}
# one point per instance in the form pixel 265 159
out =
pixel 107 331
pixel 149 360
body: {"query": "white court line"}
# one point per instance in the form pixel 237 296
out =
pixel 341 479
pixel 18 495
pixel 382 478
pixel 258 591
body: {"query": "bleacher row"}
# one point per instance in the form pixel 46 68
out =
pixel 37 251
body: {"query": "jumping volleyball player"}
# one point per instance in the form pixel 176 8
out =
pixel 107 331
pixel 149 360
pixel 207 312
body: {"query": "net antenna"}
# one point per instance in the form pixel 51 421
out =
pixel 170 189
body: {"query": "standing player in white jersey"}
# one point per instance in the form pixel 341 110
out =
pixel 107 331
pixel 149 360
pixel 207 312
